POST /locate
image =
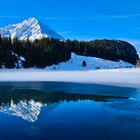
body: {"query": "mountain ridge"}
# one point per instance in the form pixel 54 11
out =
pixel 30 28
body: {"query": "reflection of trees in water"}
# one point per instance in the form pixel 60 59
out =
pixel 16 95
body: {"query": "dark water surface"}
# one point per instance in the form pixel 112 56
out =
pixel 67 111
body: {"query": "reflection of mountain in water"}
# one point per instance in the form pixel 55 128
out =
pixel 26 110
pixel 27 103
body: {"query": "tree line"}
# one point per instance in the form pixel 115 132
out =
pixel 46 52
pixel 114 50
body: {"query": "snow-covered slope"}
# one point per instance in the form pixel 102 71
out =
pixel 30 28
pixel 75 63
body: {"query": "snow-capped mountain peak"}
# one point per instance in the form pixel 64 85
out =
pixel 30 28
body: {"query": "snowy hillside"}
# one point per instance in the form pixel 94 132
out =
pixel 31 29
pixel 75 63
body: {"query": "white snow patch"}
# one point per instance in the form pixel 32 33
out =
pixel 22 58
pixel 93 63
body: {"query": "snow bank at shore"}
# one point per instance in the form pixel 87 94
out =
pixel 117 77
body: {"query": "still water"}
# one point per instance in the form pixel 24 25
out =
pixel 68 111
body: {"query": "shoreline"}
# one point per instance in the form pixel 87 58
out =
pixel 115 77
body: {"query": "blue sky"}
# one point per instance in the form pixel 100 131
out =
pixel 79 19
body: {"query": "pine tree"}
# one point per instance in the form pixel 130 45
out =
pixel 0 39
pixel 84 64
